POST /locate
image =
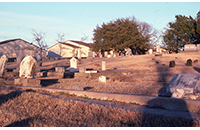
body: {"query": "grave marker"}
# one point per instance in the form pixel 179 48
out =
pixel 73 64
pixel 27 67
pixel 103 65
pixel 3 61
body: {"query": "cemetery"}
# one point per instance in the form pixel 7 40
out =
pixel 151 82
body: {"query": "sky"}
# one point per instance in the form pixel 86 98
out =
pixel 78 19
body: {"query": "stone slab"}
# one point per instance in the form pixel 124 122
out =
pixel 92 71
pixel 60 69
pixel 27 82
pixel 188 82
pixel 55 74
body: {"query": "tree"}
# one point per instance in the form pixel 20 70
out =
pixel 39 38
pixel 120 34
pixel 185 30
pixel 60 40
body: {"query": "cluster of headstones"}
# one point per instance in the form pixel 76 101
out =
pixel 27 66
pixel 188 63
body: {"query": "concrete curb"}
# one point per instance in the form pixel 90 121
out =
pixel 149 101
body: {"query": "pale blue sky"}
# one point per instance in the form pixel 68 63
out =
pixel 76 19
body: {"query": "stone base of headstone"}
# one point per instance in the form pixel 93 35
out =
pixel 82 75
pixel 41 74
pixel 55 74
pixel 189 62
pixel 158 54
pixel 59 69
pixel 27 82
pixel 75 87
pixel 172 64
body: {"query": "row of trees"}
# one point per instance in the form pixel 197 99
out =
pixel 124 33
pixel 185 30
pixel 138 36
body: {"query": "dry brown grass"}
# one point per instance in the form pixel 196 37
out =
pixel 33 109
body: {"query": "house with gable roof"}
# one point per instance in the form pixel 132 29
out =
pixel 11 48
pixel 69 48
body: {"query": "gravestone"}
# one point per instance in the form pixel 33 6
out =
pixel 150 51
pixel 21 54
pixel 90 55
pixel 189 62
pixel 102 79
pixel 172 63
pixel 158 49
pixel 3 61
pixel 189 83
pixel 73 64
pixel 103 65
pixel 27 67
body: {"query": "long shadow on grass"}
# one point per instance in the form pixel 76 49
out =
pixel 160 119
pixel 4 98
pixel 23 123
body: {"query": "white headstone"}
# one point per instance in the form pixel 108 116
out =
pixel 27 67
pixel 73 64
pixel 157 49
pixel 150 51
pixel 102 79
pixel 3 61
pixel 103 65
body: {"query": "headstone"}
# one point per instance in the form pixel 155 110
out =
pixel 27 67
pixel 102 79
pixel 172 63
pixel 82 69
pixel 103 65
pixel 3 61
pixel 73 64
pixel 79 53
pixel 190 83
pixel 189 62
pixel 60 69
pixel 158 49
pixel 150 51
pixel 90 55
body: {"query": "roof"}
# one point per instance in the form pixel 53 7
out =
pixel 12 40
pixel 79 42
pixel 70 45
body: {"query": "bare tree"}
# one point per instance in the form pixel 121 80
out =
pixel 84 38
pixel 39 38
pixel 60 37
pixel 60 40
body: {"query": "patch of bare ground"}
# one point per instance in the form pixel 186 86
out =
pixel 32 109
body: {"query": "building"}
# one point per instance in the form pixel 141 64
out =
pixel 11 48
pixel 69 49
